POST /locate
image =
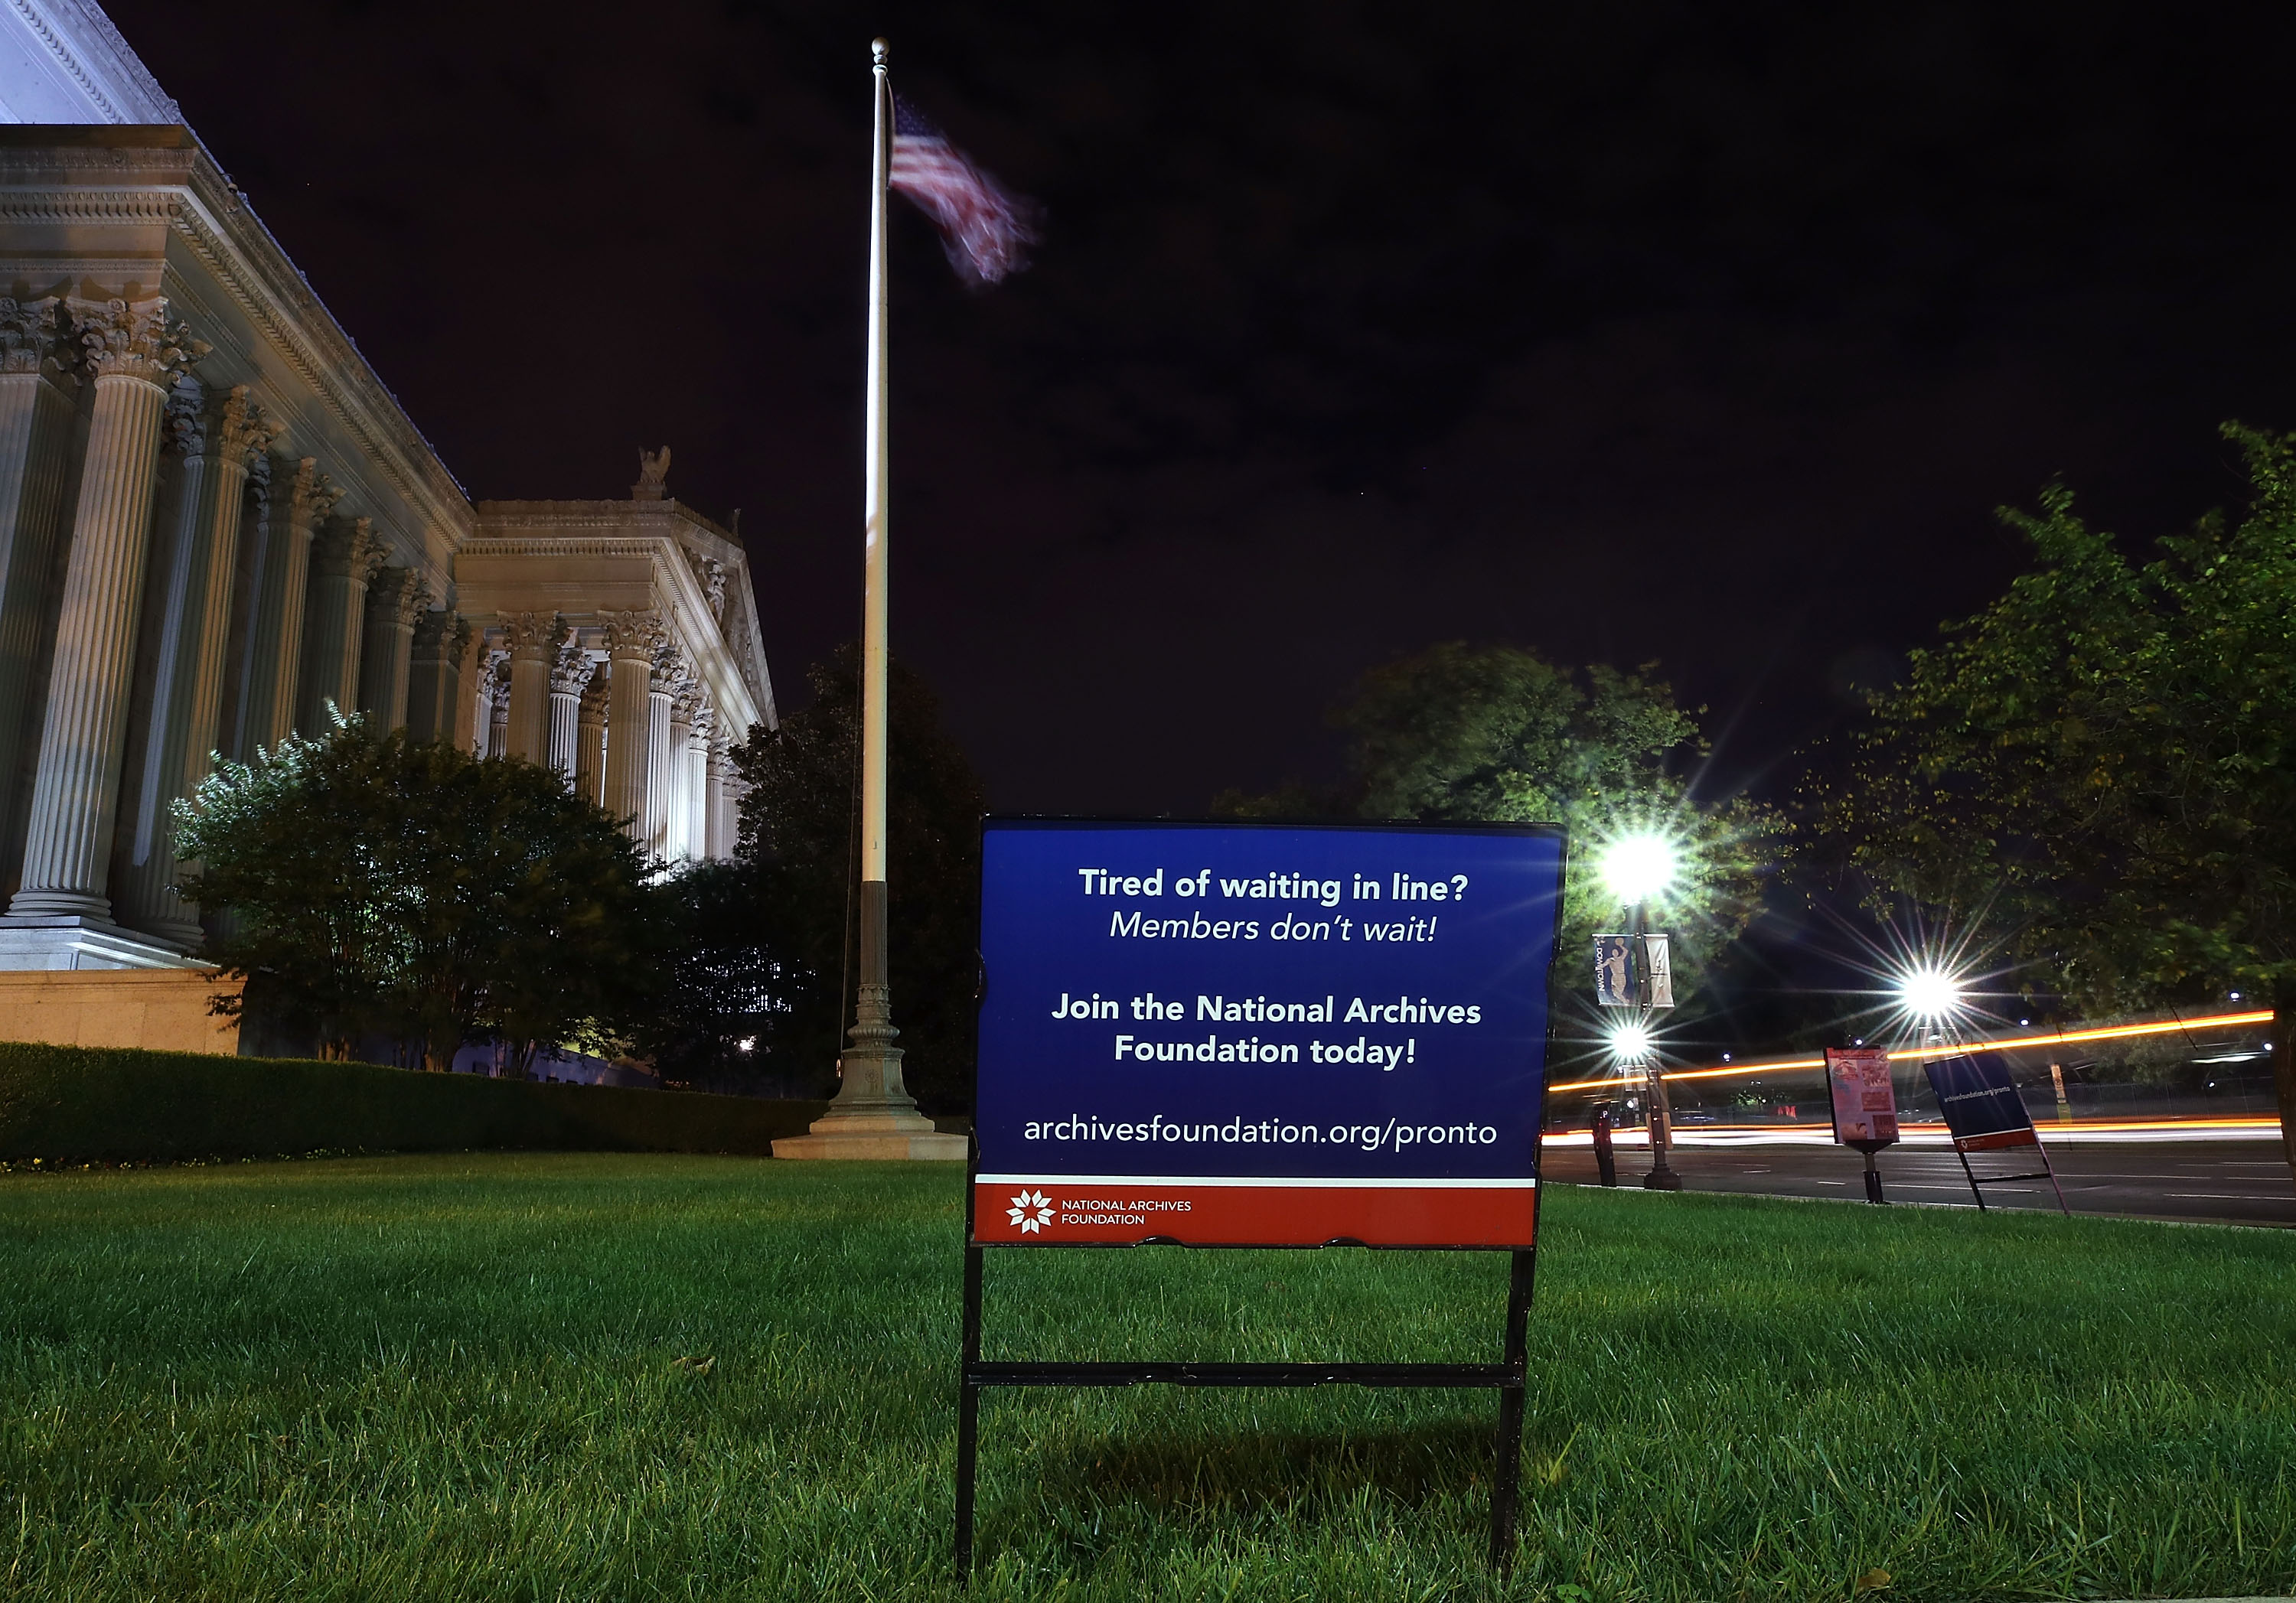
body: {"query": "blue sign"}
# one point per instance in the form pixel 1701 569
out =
pixel 1263 1034
pixel 1981 1103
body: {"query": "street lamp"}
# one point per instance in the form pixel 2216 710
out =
pixel 1637 868
pixel 1930 995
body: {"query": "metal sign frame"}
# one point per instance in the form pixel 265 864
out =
pixel 1997 1140
pixel 1508 1377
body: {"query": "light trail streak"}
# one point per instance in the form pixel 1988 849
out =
pixel 2118 1031
pixel 2185 1128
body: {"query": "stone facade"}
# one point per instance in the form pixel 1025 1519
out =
pixel 646 601
pixel 217 528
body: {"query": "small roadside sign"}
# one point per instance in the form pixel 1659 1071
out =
pixel 1865 1096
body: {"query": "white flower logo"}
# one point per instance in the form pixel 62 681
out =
pixel 1031 1210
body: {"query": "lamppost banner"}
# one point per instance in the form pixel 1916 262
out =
pixel 1262 1034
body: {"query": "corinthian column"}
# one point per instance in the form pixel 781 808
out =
pixel 677 811
pixel 632 638
pixel 590 739
pixel 190 641
pixel 534 639
pixel 133 351
pixel 499 705
pixel 662 771
pixel 36 429
pixel 721 800
pixel 275 643
pixel 697 779
pixel 434 674
pixel 344 562
pixel 393 602
pixel 569 676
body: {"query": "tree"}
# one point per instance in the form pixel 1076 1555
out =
pixel 375 884
pixel 1498 734
pixel 720 1019
pixel 799 839
pixel 2105 759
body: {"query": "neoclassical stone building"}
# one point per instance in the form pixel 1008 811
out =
pixel 215 521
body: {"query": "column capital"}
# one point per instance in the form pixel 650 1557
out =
pixel 134 339
pixel 32 336
pixel 348 548
pixel 570 672
pixel 532 635
pixel 309 495
pixel 244 430
pixel 440 636
pixel 398 594
pixel 184 427
pixel 633 636
pixel 686 699
pixel 668 660
pixel 596 696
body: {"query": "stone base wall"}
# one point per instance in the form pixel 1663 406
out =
pixel 159 1009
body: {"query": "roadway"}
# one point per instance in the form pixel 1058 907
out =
pixel 2148 1174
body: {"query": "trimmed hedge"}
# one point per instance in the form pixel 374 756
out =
pixel 71 1104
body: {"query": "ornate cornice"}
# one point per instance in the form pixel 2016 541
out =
pixel 157 107
pixel 177 186
pixel 132 339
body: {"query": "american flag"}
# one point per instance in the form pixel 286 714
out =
pixel 985 230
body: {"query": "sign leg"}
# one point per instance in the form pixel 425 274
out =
pixel 1873 1179
pixel 2051 1166
pixel 1965 1169
pixel 968 1416
pixel 1507 1484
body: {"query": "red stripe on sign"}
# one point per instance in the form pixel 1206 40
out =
pixel 1051 1214
pixel 1998 1140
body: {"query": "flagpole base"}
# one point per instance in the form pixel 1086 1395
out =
pixel 873 1138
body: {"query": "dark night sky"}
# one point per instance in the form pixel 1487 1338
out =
pixel 1623 332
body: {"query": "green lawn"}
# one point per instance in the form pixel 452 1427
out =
pixel 458 1377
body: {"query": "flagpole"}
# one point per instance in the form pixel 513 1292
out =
pixel 873 1116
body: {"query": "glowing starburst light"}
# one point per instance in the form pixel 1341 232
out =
pixel 1638 867
pixel 1631 1044
pixel 1930 993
